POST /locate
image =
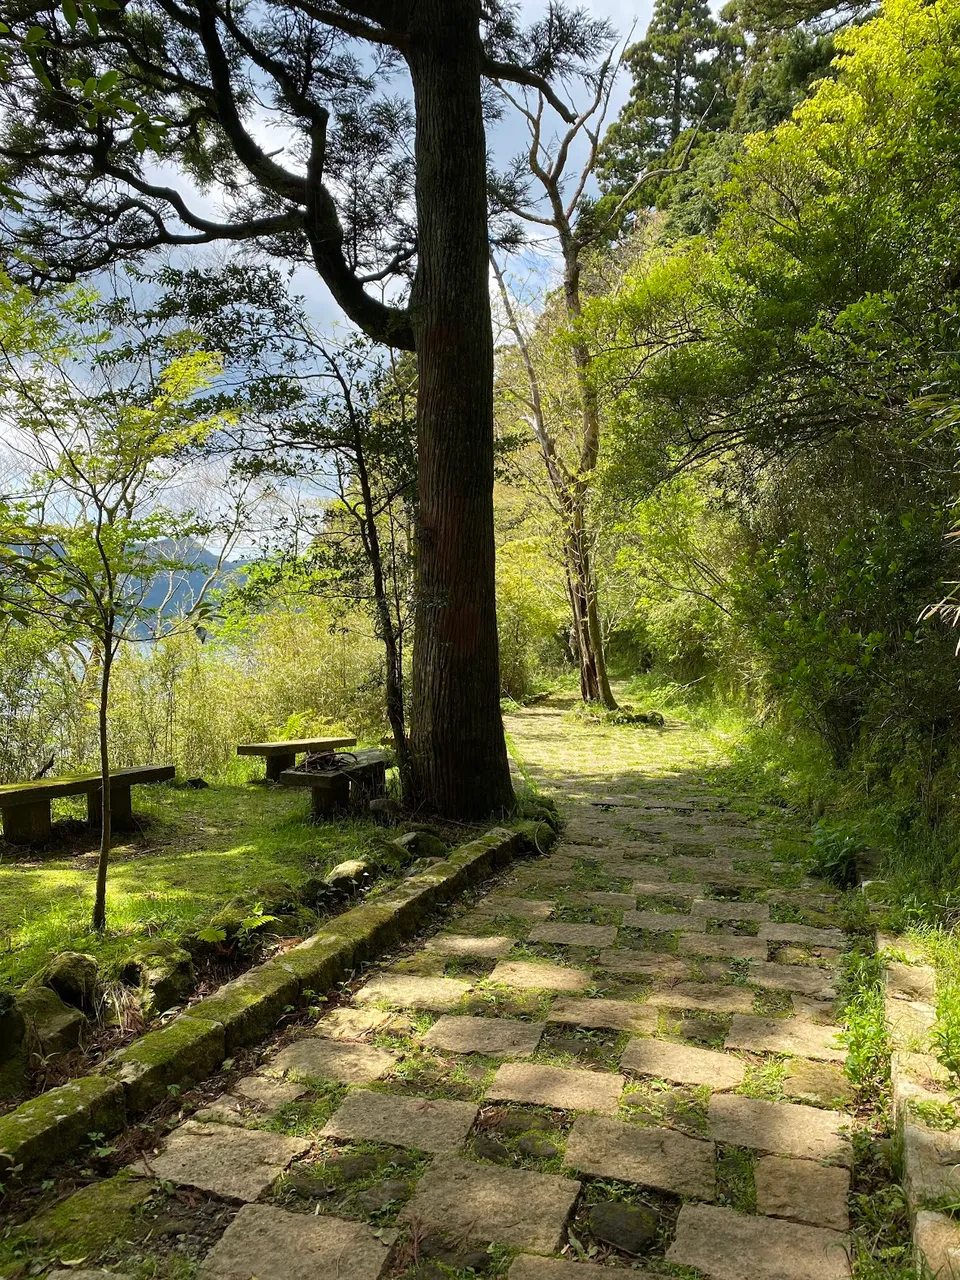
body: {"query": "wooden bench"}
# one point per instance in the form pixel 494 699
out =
pixel 283 755
pixel 26 805
pixel 350 786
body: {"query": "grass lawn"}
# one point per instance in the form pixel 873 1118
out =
pixel 197 850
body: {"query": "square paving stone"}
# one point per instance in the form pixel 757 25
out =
pixel 651 1157
pixel 645 964
pixel 803 933
pixel 619 1015
pixel 804 979
pixel 495 1037
pixel 784 1035
pixel 565 1088
pixel 821 1083
pixel 355 1024
pixel 663 922
pixel 682 1063
pixel 425 1124
pixel 537 977
pixel 528 1267
pixel 726 946
pixel 781 1128
pixel 237 1164
pixel 822 1012
pixel 603 899
pixel 522 908
pixel 727 1245
pixel 412 992
pixel 274 1244
pixel 717 910
pixel 703 995
pixel 803 1191
pixel 457 944
pixel 267 1092
pixel 935 1235
pixel 513 1207
pixel 575 935
pixel 342 1060
pixel 674 889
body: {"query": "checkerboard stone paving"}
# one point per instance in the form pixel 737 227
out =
pixel 659 1000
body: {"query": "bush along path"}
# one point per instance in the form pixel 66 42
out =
pixel 629 1053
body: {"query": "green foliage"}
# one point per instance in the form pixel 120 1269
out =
pixel 834 853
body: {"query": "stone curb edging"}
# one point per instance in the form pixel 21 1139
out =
pixel 930 1155
pixel 45 1129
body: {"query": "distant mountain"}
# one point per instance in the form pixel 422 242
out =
pixel 176 593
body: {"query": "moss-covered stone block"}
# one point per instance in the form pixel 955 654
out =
pixel 181 1053
pixel 86 1222
pixel 318 963
pixel 48 1128
pixel 249 1007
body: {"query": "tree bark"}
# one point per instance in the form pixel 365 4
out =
pixel 100 894
pixel 458 753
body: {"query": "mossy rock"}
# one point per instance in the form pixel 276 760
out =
pixel 93 1217
pixel 536 836
pixel 52 1027
pixel 421 844
pixel 348 877
pixel 164 973
pixel 13 1047
pixel 75 978
pixel 539 809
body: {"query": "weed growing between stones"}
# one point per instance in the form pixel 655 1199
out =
pixel 772 1004
pixel 879 1217
pixel 564 1046
pixel 307 1116
pixel 620 1220
pixel 659 1102
pixel 735 1178
pixel 764 1079
pixel 865 1033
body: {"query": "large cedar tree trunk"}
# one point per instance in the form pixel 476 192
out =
pixel 459 758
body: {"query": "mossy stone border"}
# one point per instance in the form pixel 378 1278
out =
pixel 192 1046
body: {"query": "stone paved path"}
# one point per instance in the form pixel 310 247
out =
pixel 623 1054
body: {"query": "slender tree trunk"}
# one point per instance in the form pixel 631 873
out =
pixel 458 751
pixel 589 456
pixel 100 894
pixel 396 712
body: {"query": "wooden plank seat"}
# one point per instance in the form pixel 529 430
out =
pixel 25 806
pixel 283 755
pixel 348 786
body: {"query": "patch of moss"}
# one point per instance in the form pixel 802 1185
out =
pixel 87 1221
pixel 250 1006
pixel 184 1051
pixel 46 1128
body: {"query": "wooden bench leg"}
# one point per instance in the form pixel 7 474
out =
pixel 121 807
pixel 27 823
pixel 327 801
pixel 371 784
pixel 277 764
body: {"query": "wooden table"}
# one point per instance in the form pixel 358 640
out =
pixel 283 755
pixel 26 805
pixel 351 786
